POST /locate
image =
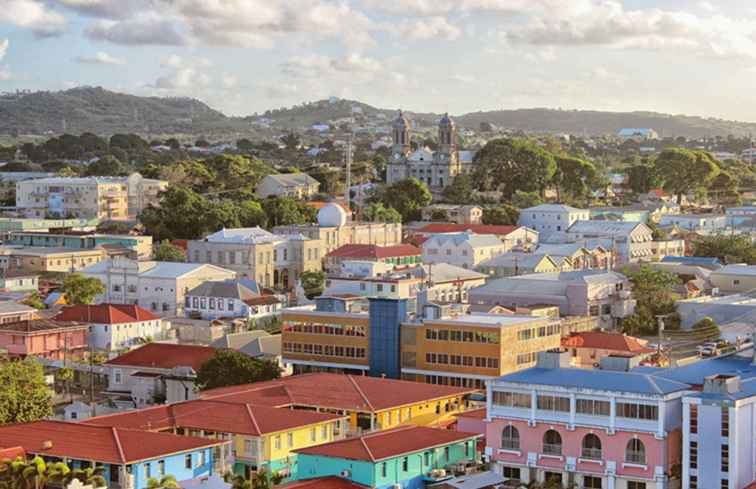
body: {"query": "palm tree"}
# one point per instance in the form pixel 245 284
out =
pixel 260 480
pixel 35 474
pixel 91 476
pixel 166 482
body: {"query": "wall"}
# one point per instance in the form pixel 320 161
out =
pixel 386 316
pixel 174 465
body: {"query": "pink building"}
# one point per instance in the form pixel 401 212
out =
pixel 53 340
pixel 597 429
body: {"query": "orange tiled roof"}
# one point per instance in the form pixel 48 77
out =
pixel 165 355
pixel 106 314
pixel 374 251
pixel 439 227
pixel 605 341
pixel 331 482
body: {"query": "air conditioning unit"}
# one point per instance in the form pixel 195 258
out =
pixel 345 473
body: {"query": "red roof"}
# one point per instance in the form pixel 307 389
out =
pixel 12 453
pixel 440 227
pixel 388 444
pixel 165 355
pixel 106 314
pixel 331 482
pixel 262 300
pixel 374 251
pixel 99 443
pixel 336 391
pixel 218 416
pixel 473 414
pixel 605 341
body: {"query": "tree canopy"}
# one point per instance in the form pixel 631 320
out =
pixel 230 367
pixel 167 251
pixel 728 249
pixel 379 213
pixel 508 165
pixel 407 196
pixel 24 395
pixel 503 215
pixel 653 291
pixel 312 283
pixel 79 289
pixel 683 170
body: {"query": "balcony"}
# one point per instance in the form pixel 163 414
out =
pixel 591 453
pixel 635 457
pixel 553 449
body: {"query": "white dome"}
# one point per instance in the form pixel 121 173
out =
pixel 332 215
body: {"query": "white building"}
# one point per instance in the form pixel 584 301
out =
pixel 159 287
pixel 116 327
pixel 695 222
pixel 628 241
pixel 464 250
pixel 230 299
pixel 550 218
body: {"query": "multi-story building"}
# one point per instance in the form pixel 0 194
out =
pixel 45 338
pixel 13 312
pixel 595 293
pixel 159 287
pixel 464 250
pixel 593 428
pixel 117 327
pixel 18 281
pixel 139 247
pixel 334 229
pixel 738 278
pixel 513 237
pixel 401 255
pixel 143 192
pixel 40 260
pixel 458 214
pixel 295 185
pixel 627 241
pixel 230 299
pixel 469 349
pixel 587 348
pixel 273 260
pixel 707 223
pixel 577 256
pixel 550 218
pixel 90 197
pixel 519 263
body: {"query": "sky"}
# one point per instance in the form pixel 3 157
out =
pixel 245 56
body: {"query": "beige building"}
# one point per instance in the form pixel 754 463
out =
pixel 87 197
pixel 334 230
pixel 38 259
pixel 296 185
pixel 457 214
pixel 273 260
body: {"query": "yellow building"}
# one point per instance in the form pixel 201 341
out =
pixel 39 259
pixel 469 349
pixel 86 197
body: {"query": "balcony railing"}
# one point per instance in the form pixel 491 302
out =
pixel 510 444
pixel 592 453
pixel 633 457
pixel 552 448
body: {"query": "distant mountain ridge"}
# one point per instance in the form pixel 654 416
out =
pixel 94 109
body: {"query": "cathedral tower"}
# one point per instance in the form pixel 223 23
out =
pixel 447 136
pixel 401 136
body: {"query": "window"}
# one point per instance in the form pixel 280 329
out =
pixel 201 461
pixel 552 443
pixel 188 460
pixel 313 434
pixel 725 421
pixel 694 455
pixel 427 458
pixel 446 454
pixel 383 469
pixel 290 439
pixel 591 447
pixel 405 464
pixel 512 399
pixel 591 482
pixel 637 411
pixel 725 465
pixel 693 482
pixel 147 470
pixel 635 452
pixel 324 432
pixel 248 446
pixel 694 418
pixel 553 403
pixel 277 442
pixel 636 485
pixel 511 472
pixel 212 304
pixel 117 376
pixel 725 484
pixel 592 407
pixel 161 468
pixel 510 438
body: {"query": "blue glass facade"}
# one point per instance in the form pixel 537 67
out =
pixel 386 316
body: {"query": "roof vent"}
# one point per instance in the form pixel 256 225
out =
pixel 554 358
pixel 722 384
pixel 47 444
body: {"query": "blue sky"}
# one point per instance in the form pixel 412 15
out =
pixel 242 56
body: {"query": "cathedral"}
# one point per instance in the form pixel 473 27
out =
pixel 436 169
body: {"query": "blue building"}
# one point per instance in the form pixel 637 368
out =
pixel 386 317
pixel 130 457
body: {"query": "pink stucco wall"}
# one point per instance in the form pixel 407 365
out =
pixel 658 452
pixel 51 345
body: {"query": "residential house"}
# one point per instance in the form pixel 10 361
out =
pixel 457 214
pixel 595 293
pixel 137 247
pixel 262 438
pixel 19 281
pixel 519 263
pixel 637 134
pixel 734 279
pixel 159 287
pixel 13 312
pixel 577 256
pixel 230 299
pixel 700 223
pixel 335 228
pixel 45 338
pixel 84 197
pixel 371 403
pixel 587 348
pixel 469 349
pixel 550 218
pixel 625 214
pixel 157 371
pixel 129 457
pixel 295 185
pixel 396 256
pixel 594 428
pixel 402 457
pixel 519 237
pixel 43 260
pixel 272 260
pixel 117 327
pixel 256 343
pixel 464 250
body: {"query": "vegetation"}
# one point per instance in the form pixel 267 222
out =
pixel 503 214
pixel 728 249
pixel 379 213
pixel 407 196
pixel 682 170
pixel 34 300
pixel 24 395
pixel 260 480
pixel 653 291
pixel 508 165
pixel 230 367
pixel 312 283
pixel 165 482
pixel 79 289
pixel 167 251
pixel 461 190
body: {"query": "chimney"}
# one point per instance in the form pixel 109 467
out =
pixel 554 358
pixel 47 444
pixel 722 384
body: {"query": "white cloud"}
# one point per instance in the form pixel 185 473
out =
pixel 100 58
pixel 146 28
pixel 435 27
pixel 229 81
pixel 32 15
pixel 317 66
pixel 3 48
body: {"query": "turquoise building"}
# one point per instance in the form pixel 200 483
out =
pixel 140 246
pixel 408 456
pixel 624 214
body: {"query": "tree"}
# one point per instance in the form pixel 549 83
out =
pixel 508 165
pixel 523 200
pixel 260 480
pixel 165 482
pixel 34 300
pixel 79 289
pixel 24 395
pixel 407 196
pixel 312 283
pixel 573 176
pixel 503 215
pixel 728 249
pixel 251 214
pixel 182 214
pixel 461 190
pixel 283 211
pixel 107 166
pixel 682 170
pixel 291 140
pixel 642 177
pixel 379 213
pixel 230 367
pixel 113 227
pixel 34 474
pixel 653 291
pixel 724 189
pixel 245 145
pixel 91 476
pixel 167 251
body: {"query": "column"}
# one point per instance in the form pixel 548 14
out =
pixel 489 400
pixel 533 404
pixel 573 410
pixel 612 414
pixel 662 408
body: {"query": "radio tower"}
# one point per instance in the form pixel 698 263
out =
pixel 348 172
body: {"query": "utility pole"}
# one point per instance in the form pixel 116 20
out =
pixel 347 192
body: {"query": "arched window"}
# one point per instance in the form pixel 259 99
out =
pixel 552 443
pixel 591 447
pixel 635 452
pixel 510 438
